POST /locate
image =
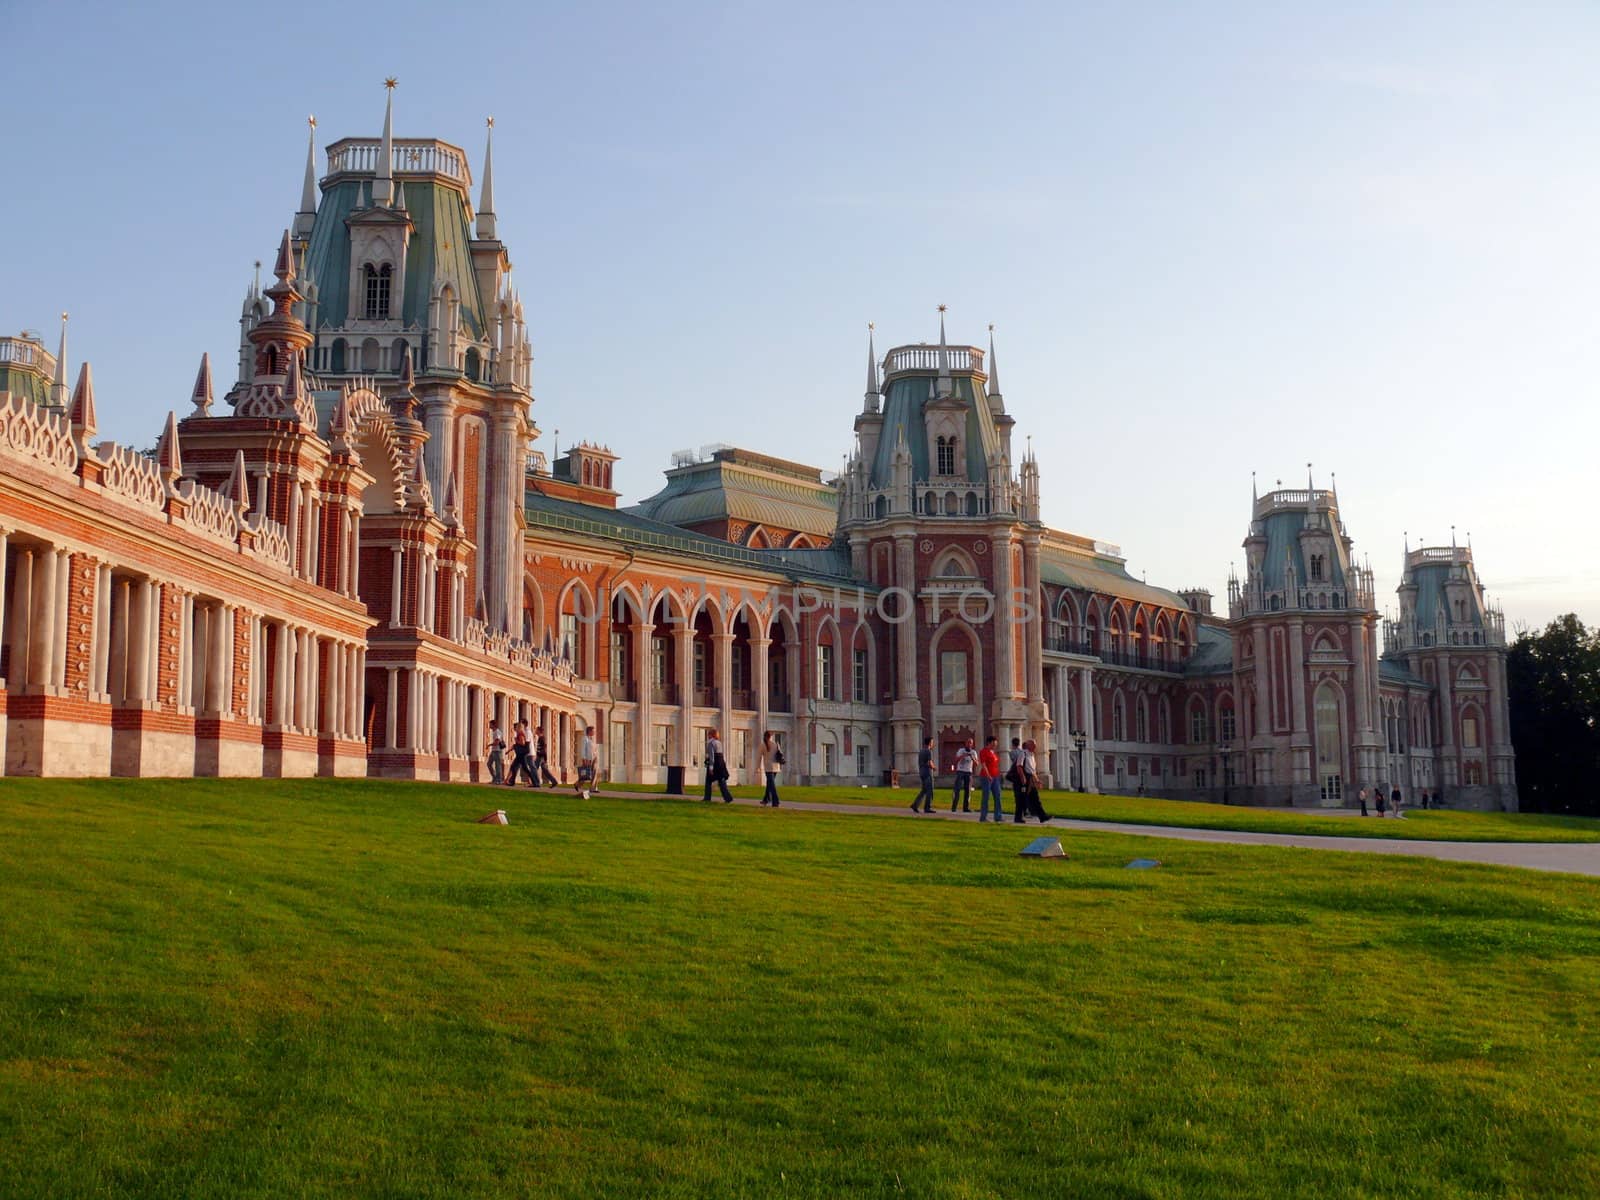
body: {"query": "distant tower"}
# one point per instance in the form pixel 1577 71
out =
pixel 1450 637
pixel 1305 653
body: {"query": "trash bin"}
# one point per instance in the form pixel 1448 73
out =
pixel 891 778
pixel 674 781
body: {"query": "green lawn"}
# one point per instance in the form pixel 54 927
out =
pixel 241 989
pixel 1432 826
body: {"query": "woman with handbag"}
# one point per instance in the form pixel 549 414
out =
pixel 771 763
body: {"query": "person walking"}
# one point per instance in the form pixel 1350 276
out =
pixel 1424 799
pixel 541 761
pixel 519 754
pixel 588 759
pixel 989 779
pixel 1382 804
pixel 966 759
pixel 716 769
pixel 924 800
pixel 1394 801
pixel 1362 796
pixel 1030 775
pixel 497 753
pixel 771 762
pixel 1014 777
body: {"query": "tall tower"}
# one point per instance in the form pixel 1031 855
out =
pixel 931 509
pixel 398 273
pixel 1449 636
pixel 1305 652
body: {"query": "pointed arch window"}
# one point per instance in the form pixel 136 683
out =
pixel 946 447
pixel 377 280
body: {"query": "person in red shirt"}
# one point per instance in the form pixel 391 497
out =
pixel 989 779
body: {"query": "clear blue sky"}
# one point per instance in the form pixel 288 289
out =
pixel 1211 241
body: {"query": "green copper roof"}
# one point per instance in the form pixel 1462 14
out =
pixel 1213 652
pixel 629 529
pixel 1283 530
pixel 1432 606
pixel 904 407
pixel 30 385
pixel 440 247
pixel 1105 579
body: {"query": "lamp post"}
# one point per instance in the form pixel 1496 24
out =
pixel 1227 756
pixel 1081 740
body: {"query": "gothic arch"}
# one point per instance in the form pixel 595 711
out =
pixel 371 433
pixel 861 638
pixel 954 563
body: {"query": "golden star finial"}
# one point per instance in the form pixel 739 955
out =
pixel 942 307
pixel 491 122
pixel 312 120
pixel 390 82
pixel 871 325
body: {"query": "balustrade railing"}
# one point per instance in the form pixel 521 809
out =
pixel 411 156
pixel 934 358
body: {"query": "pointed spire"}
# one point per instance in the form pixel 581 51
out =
pixel 58 386
pixel 1310 487
pixel 169 457
pixel 944 358
pixel 308 190
pixel 872 362
pixel 202 387
pixel 81 412
pixel 452 506
pixel 293 385
pixel 486 197
pixel 1406 534
pixel 383 188
pixel 407 374
pixel 283 268
pixel 399 196
pixel 235 489
pixel 994 366
pixel 1254 497
pixel 1452 537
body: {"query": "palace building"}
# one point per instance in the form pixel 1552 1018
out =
pixel 350 561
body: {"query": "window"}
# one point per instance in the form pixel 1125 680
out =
pixel 858 677
pixel 1472 774
pixel 1200 779
pixel 1469 733
pixel 741 671
pixel 829 766
pixel 378 292
pixel 1316 566
pixel 1141 730
pixel 947 455
pixel 702 664
pixel 1198 732
pixel 658 661
pixel 663 743
pixel 952 677
pixel 863 765
pixel 825 687
pixel 619 659
pixel 1116 719
pixel 1227 725
pixel 569 637
pixel 1330 744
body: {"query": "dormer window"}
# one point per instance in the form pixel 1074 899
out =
pixel 1316 566
pixel 378 292
pixel 946 447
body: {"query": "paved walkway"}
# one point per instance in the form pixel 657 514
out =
pixel 1578 858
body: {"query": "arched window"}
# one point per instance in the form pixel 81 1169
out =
pixel 377 280
pixel 1116 718
pixel 1141 722
pixel 947 455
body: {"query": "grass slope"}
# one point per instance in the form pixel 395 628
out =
pixel 259 989
pixel 1431 826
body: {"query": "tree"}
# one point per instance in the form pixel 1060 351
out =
pixel 1553 684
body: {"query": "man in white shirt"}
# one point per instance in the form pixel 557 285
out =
pixel 716 769
pixel 588 757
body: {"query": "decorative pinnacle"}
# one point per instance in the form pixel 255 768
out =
pixel 490 122
pixel 943 307
pixel 312 120
pixel 390 82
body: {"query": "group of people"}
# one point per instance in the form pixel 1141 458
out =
pixel 984 766
pixel 770 762
pixel 530 758
pixel 1389 806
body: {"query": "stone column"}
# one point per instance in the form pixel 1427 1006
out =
pixel 122 617
pixel 1004 634
pixel 392 713
pixel 722 652
pixel 1358 651
pixel 760 648
pixel 644 747
pixel 102 629
pixel 219 682
pixel 1033 631
pixel 396 612
pixel 21 616
pixel 683 652
pixel 4 535
pixel 1297 678
pixel 1086 723
pixel 41 643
